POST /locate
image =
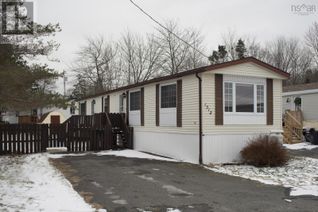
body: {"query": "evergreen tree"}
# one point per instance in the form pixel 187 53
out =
pixel 26 83
pixel 222 53
pixel 218 56
pixel 240 49
pixel 214 58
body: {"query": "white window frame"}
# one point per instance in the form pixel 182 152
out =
pixel 168 116
pixel 234 98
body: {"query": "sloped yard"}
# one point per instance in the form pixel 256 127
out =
pixel 31 183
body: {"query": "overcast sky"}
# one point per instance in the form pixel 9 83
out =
pixel 79 19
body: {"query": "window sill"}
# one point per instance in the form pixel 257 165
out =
pixel 243 114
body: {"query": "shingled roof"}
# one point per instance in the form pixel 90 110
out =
pixel 301 87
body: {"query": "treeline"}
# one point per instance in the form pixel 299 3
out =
pixel 104 64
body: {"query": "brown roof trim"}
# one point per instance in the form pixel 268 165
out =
pixel 194 71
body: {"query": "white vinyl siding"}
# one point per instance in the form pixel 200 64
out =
pixel 309 104
pixel 249 69
pixel 97 105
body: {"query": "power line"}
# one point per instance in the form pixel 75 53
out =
pixel 164 27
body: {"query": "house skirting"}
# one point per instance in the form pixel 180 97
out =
pixel 224 148
pixel 179 146
pixel 217 148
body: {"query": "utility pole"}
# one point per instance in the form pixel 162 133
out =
pixel 64 82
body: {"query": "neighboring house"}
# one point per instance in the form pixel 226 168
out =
pixel 307 99
pixel 204 115
pixel 39 115
pixel 9 117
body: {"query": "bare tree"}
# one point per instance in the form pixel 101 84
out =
pixel 253 47
pixel 290 56
pixel 195 59
pixel 96 63
pixel 311 38
pixel 178 55
pixel 140 57
pixel 229 40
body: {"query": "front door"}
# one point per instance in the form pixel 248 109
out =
pixel 55 119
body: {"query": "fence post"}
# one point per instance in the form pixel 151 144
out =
pixel 131 138
pixel 44 137
pixel 1 139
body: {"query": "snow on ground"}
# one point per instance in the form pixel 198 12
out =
pixel 121 153
pixel 134 154
pixel 31 183
pixel 300 174
pixel 303 145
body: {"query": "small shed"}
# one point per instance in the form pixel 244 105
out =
pixel 53 117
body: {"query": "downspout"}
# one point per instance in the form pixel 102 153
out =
pixel 102 104
pixel 200 117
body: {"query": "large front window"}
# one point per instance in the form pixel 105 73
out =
pixel 135 100
pixel 243 98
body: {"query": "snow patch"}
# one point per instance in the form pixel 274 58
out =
pixel 144 177
pixel 57 156
pixel 303 145
pixel 300 174
pixel 31 183
pixel 173 210
pixel 176 191
pixel 120 202
pixel 305 190
pixel 120 153
pixel 133 154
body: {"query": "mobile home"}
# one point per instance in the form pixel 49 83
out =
pixel 205 115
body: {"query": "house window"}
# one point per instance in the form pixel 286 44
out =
pixel 121 103
pixel 168 96
pixel 72 109
pixel 93 107
pixel 244 98
pixel 83 108
pixel 135 100
pixel 228 97
pixel 106 104
pixel 260 98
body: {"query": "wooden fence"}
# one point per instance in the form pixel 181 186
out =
pixel 78 134
pixel 23 138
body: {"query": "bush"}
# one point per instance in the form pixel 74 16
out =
pixel 265 151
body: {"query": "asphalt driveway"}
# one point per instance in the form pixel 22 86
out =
pixel 128 184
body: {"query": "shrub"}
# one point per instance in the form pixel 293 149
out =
pixel 265 151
